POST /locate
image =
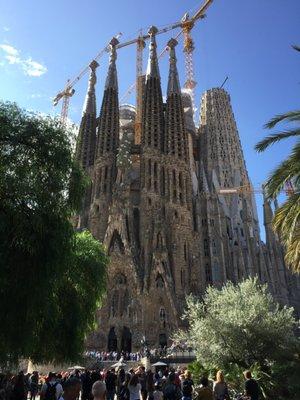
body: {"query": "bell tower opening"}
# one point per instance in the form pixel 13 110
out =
pixel 112 343
pixel 126 340
pixel 162 340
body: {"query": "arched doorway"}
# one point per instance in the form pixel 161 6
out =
pixel 112 342
pixel 126 340
pixel 162 340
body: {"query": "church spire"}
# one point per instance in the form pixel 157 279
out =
pixel 152 68
pixel 153 109
pixel 268 212
pixel 175 133
pixel 108 131
pixel 204 188
pixel 173 82
pixel 111 79
pixel 86 141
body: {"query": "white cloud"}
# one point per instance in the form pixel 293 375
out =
pixel 33 68
pixel 35 96
pixel 10 50
pixel 6 28
pixel 29 66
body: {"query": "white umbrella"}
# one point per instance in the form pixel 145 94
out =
pixel 76 367
pixel 118 364
pixel 159 364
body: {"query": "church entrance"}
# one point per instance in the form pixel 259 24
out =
pixel 162 340
pixel 126 340
pixel 112 342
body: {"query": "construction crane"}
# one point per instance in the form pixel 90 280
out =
pixel 186 24
pixel 225 80
pixel 69 91
pixel 248 189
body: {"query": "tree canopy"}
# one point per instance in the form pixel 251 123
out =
pixel 51 278
pixel 242 327
pixel 287 217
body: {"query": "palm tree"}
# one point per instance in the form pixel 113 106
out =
pixel 286 220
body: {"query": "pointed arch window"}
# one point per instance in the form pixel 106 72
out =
pixel 162 181
pixel 162 314
pixel 155 177
pixel 159 281
pixel 208 274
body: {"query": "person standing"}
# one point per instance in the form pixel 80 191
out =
pixel 142 380
pixel 86 385
pixel 72 388
pixel 171 390
pixel 51 389
pixel 134 388
pixel 34 384
pixel 19 391
pixel 124 391
pixel 205 392
pixel 220 388
pixel 149 384
pixel 187 386
pixel 111 381
pixel 120 381
pixel 251 386
pixel 99 390
pixel 157 394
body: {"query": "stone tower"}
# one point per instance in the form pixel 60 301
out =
pixel 158 207
pixel 232 245
pixel 86 141
pixel 105 172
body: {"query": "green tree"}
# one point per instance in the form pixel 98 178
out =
pixel 286 220
pixel 239 327
pixel 50 278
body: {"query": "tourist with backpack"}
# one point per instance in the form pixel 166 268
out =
pixel 187 386
pixel 171 391
pixel 52 389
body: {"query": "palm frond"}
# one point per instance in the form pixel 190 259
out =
pixel 289 116
pixel 295 47
pixel 276 137
pixel 292 255
pixel 288 169
pixel 286 220
pixel 286 223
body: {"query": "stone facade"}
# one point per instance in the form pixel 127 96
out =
pixel 156 205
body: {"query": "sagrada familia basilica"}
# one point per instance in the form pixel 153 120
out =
pixel 158 204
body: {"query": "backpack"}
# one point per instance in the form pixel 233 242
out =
pixel 51 392
pixel 187 388
pixel 170 392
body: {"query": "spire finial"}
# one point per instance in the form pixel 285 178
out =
pixel 173 83
pixel 90 100
pixel 152 69
pixel 111 80
pixel 93 79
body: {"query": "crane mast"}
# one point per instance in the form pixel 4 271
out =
pixel 186 24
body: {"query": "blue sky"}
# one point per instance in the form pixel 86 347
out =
pixel 43 43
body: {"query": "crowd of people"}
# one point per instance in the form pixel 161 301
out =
pixel 165 352
pixel 136 384
pixel 114 355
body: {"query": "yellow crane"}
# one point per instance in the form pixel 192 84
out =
pixel 248 189
pixel 69 91
pixel 186 24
